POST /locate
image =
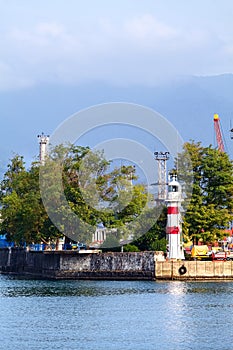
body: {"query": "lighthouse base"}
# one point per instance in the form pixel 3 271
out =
pixel 175 249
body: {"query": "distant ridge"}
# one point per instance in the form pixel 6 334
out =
pixel 189 103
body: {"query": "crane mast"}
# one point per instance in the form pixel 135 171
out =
pixel 218 133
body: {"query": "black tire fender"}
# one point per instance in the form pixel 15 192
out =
pixel 182 270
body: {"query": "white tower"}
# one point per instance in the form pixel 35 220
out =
pixel 43 141
pixel 174 226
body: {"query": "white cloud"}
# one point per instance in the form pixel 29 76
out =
pixel 50 29
pixel 146 27
pixel 139 49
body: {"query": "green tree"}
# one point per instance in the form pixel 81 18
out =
pixel 209 211
pixel 110 242
pixel 155 238
pixel 98 193
pixel 92 190
pixel 22 212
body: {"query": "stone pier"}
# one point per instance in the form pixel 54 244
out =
pixel 75 265
pixel 194 270
pixel 111 266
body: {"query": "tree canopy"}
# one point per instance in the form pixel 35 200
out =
pixel 209 211
pixel 94 191
pixel 23 217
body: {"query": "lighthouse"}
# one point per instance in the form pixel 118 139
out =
pixel 174 226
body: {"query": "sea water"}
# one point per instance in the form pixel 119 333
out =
pixel 119 315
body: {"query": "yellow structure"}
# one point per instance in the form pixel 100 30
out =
pixel 199 251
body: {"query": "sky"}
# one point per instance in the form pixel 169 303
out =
pixel 78 44
pixel 122 42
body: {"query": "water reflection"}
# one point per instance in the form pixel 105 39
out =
pixel 115 315
pixel 176 307
pixel 18 287
pixel 12 287
pixel 177 288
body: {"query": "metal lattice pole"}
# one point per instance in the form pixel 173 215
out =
pixel 162 158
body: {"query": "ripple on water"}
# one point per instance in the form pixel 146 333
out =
pixel 126 315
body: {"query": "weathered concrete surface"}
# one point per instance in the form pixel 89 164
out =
pixel 72 265
pixel 115 266
pixel 108 265
pixel 194 270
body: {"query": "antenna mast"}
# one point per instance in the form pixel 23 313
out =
pixel 162 158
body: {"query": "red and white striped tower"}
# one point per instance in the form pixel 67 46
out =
pixel 174 226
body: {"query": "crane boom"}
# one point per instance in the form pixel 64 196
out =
pixel 218 133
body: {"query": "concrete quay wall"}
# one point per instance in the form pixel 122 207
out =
pixel 112 266
pixel 74 265
pixel 194 270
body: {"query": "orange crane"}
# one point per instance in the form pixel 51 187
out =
pixel 218 133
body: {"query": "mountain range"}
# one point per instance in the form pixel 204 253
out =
pixel 189 103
